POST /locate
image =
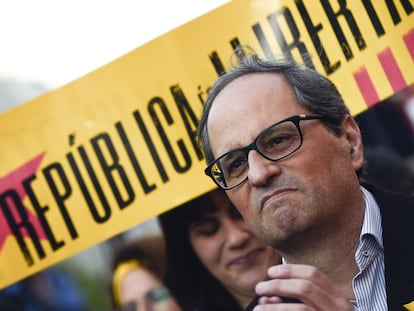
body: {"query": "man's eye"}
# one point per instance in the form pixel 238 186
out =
pixel 235 166
pixel 278 142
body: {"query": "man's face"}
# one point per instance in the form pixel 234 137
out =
pixel 304 196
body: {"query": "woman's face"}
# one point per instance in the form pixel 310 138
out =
pixel 142 291
pixel 229 250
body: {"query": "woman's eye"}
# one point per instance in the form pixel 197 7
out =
pixel 205 228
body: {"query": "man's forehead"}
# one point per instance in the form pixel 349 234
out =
pixel 245 109
pixel 254 90
pixel 251 81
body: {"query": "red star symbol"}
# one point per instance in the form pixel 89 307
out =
pixel 13 180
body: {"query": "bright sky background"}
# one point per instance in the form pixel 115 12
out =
pixel 53 42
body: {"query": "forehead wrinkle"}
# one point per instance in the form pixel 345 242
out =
pixel 243 98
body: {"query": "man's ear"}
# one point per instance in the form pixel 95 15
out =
pixel 352 134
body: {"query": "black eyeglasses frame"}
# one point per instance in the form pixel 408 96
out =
pixel 253 146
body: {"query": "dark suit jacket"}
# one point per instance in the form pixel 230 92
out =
pixel 397 212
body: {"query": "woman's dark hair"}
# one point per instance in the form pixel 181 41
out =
pixel 192 285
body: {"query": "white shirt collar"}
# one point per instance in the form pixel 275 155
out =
pixel 372 218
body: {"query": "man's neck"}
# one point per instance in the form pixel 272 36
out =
pixel 332 251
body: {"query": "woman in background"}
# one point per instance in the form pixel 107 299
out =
pixel 137 272
pixel 213 261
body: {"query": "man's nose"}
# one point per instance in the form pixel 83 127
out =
pixel 261 170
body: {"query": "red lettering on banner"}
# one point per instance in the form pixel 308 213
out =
pixel 391 69
pixel 366 87
pixel 409 42
pixel 13 180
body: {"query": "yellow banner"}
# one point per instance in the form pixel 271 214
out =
pixel 116 147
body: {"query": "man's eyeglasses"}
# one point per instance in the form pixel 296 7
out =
pixel 274 143
pixel 154 300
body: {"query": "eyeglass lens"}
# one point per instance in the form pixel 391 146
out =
pixel 274 143
pixel 154 300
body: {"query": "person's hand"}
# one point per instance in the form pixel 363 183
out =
pixel 306 283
